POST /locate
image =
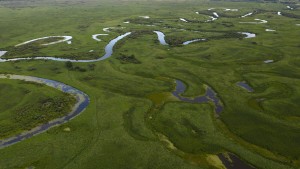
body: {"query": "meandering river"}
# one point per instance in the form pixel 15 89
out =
pixel 108 48
pixel 82 102
pixel 108 53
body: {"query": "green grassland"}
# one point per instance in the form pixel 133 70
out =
pixel 133 121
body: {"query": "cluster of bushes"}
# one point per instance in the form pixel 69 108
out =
pixel 290 15
pixel 31 69
pixel 83 27
pixel 22 50
pixel 56 70
pixel 143 21
pixel 174 40
pixel 227 35
pixel 137 33
pixel 79 55
pixel 31 115
pixel 69 65
pixel 47 40
pixel 89 77
pixel 289 2
pixel 91 66
pixel 119 44
pixel 227 24
pixel 205 12
pixel 5 130
pixel 128 59
pixel 80 69
pixel 178 40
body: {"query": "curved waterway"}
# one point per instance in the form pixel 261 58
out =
pixel 162 41
pixel 161 37
pixel 210 96
pixel 248 34
pixel 65 38
pixel 183 20
pixel 108 53
pixel 108 48
pixel 82 102
pixel 192 41
pixel 95 36
pixel 231 161
pixel 245 85
pixel 248 14
pixel 260 21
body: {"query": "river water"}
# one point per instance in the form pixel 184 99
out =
pixel 210 96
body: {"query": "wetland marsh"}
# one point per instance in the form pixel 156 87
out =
pixel 158 84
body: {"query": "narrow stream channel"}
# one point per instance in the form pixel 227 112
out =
pixel 210 96
pixel 231 161
pixel 245 86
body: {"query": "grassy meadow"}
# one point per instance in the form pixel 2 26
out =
pixel 133 121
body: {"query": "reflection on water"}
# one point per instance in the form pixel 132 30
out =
pixel 248 35
pixel 231 161
pixel 210 95
pixel 245 86
pixel 161 38
pixel 192 41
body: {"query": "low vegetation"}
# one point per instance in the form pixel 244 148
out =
pixel 133 116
